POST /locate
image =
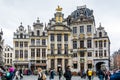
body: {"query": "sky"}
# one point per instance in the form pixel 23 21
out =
pixel 13 12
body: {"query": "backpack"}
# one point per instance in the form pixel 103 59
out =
pixel 89 73
pixel 8 74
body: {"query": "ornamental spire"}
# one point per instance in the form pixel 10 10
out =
pixel 58 9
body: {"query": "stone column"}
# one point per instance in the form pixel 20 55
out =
pixel 63 64
pixel 56 64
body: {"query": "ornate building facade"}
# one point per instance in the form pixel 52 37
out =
pixel 73 41
pixel 8 55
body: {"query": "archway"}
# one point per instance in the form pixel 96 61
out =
pixel 98 65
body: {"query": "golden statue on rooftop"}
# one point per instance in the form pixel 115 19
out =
pixel 59 8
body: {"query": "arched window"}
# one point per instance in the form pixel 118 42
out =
pixel 21 35
pixel 38 33
pixel 100 34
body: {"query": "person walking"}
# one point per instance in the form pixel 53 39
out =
pixel 52 74
pixel 101 75
pixel 21 73
pixel 60 73
pixel 68 74
pixel 41 75
pixel 90 73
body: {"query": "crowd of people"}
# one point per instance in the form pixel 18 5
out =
pixel 15 74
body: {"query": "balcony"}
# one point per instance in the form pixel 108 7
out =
pixel 82 49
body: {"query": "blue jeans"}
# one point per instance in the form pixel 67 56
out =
pixel 101 77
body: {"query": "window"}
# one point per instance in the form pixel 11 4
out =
pixel 74 44
pixel 10 61
pixel 43 33
pixel 59 37
pixel 89 43
pixel 38 33
pixel 43 61
pixel 88 28
pixel 101 53
pixel 52 48
pixel 105 54
pixel 21 35
pixel 66 63
pixel 52 63
pixel 25 44
pixel 21 53
pixel 89 66
pixel 81 53
pixel 16 44
pixel 96 45
pixel 38 42
pixel 59 61
pixel 89 54
pixel 10 54
pixel 96 53
pixel 38 53
pixel 81 29
pixel 43 52
pixel 75 65
pixel 81 44
pixel 5 54
pixel 100 34
pixel 100 44
pixel 16 54
pixel 26 53
pixel 21 44
pixel 74 30
pixel 43 42
pixel 32 53
pixel 59 48
pixel 74 54
pixel 66 37
pixel 32 42
pixel 7 60
pixel 52 37
pixel 32 34
pixel 104 43
pixel 66 48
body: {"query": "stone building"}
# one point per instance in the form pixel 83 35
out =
pixel 8 55
pixel 73 41
pixel 116 59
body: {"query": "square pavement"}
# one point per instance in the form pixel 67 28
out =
pixel 34 77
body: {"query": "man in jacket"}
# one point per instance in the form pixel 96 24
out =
pixel 68 74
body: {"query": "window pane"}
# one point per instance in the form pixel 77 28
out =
pixel 88 28
pixel 74 30
pixel 81 29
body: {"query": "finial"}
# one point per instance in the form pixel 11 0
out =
pixel 21 23
pixel 100 24
pixel 38 19
pixel 59 9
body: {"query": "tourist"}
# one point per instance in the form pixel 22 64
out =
pixel 68 74
pixel 21 73
pixel 41 75
pixel 101 74
pixel 52 74
pixel 60 73
pixel 90 73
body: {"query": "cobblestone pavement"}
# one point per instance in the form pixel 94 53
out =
pixel 32 77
